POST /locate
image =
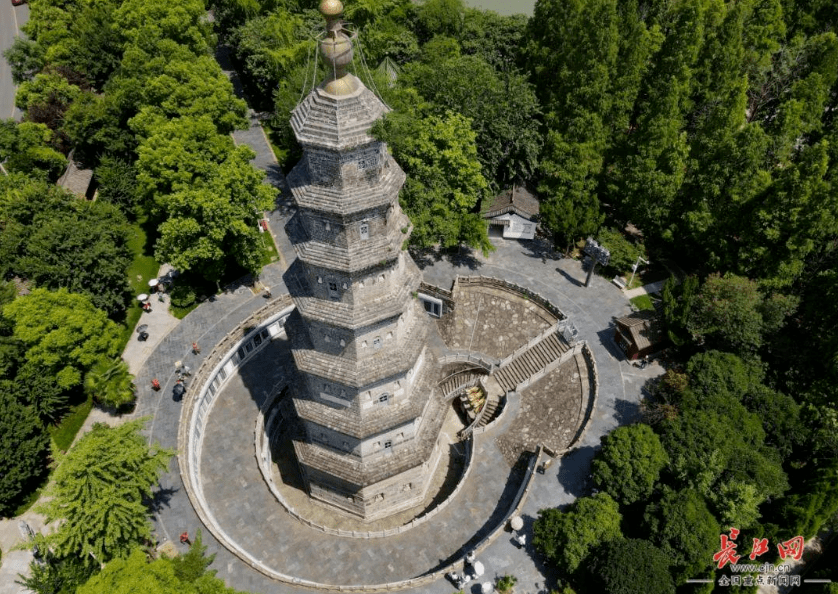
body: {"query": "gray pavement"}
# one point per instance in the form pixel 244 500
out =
pixel 645 290
pixel 11 19
pixel 592 311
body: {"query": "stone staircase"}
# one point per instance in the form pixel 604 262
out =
pixel 488 412
pixel 458 381
pixel 531 361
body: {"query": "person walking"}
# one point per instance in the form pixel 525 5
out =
pixel 196 349
pixel 184 539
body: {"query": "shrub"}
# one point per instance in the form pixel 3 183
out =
pixel 182 296
pixel 624 253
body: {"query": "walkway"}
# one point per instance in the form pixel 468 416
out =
pixel 651 288
pixel 254 137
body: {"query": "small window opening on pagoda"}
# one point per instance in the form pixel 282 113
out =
pixel 365 231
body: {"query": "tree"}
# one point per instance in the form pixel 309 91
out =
pixel 630 566
pixel 26 58
pixel 444 180
pixel 567 537
pixel 62 332
pixel 624 253
pixel 57 576
pixel 110 383
pixel 270 47
pixel 502 108
pixel 206 226
pixel 730 310
pixel 26 444
pixel 57 240
pixel 685 530
pixel 678 300
pixel 441 17
pixel 144 23
pixel 99 491
pixel 98 125
pixel 185 574
pixel 629 463
pixel 180 155
pixel 195 87
pixel 719 450
pixel 46 97
pixel 118 184
pixel 27 148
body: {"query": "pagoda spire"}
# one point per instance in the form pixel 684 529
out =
pixel 336 50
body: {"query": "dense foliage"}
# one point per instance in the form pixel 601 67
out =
pixel 26 446
pixel 185 574
pixel 99 491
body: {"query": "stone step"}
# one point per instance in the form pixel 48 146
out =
pixel 530 362
pixel 488 414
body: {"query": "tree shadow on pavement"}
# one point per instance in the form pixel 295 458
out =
pixel 464 258
pixel 160 499
pixel 574 470
pixel 627 412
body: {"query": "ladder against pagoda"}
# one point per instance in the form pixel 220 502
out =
pixel 368 413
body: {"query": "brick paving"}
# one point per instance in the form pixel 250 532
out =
pixel 550 415
pixel 246 510
pixel 491 321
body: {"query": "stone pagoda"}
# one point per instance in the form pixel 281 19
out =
pixel 368 412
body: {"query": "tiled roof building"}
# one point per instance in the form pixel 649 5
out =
pixel 368 413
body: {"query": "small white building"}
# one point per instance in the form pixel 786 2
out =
pixel 514 213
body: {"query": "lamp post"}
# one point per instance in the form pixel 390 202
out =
pixel 599 255
pixel 636 266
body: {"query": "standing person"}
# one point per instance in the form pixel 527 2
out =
pixel 184 539
pixel 267 292
pixel 196 349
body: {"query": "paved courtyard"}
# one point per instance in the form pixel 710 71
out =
pixel 591 310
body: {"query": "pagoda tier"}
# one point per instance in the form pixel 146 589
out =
pixel 368 414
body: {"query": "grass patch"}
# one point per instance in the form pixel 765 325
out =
pixel 642 302
pixel 268 253
pixel 182 312
pixel 142 269
pixel 64 433
pixel 280 154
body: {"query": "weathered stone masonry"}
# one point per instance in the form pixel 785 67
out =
pixel 368 413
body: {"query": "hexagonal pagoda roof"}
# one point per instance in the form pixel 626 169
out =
pixel 337 122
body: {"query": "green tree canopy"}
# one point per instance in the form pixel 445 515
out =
pixel 444 180
pixel 26 444
pixel 685 530
pixel 630 566
pixel 629 463
pixel 195 87
pixel 567 537
pixel 502 109
pixel 57 240
pixel 185 574
pixel 731 311
pixel 99 490
pixel 28 148
pixel 62 332
pixel 216 221
pixel 26 58
pixel 110 383
pixel 719 449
